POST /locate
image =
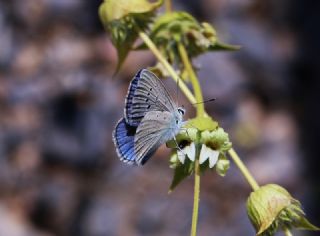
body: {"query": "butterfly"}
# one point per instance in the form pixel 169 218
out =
pixel 151 118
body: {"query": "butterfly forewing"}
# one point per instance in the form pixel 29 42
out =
pixel 146 93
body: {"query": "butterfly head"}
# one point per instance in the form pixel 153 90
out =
pixel 181 110
pixel 179 113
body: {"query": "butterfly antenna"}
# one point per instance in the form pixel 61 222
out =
pixel 178 90
pixel 205 101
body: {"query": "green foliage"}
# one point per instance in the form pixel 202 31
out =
pixel 124 19
pixel 202 123
pixel 211 147
pixel 202 144
pixel 272 207
pixel 181 171
pixel 173 28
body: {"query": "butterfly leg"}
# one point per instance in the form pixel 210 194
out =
pixel 175 140
pixel 178 147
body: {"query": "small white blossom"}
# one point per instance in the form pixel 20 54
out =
pixel 208 153
pixel 189 150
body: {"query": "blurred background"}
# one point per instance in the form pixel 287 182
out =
pixel 59 173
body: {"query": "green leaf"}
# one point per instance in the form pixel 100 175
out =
pixel 181 172
pixel 123 35
pixel 219 46
pixel 304 224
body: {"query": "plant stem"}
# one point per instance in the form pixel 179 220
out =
pixel 200 110
pixel 244 170
pixel 168 67
pixel 287 232
pixel 193 78
pixel 234 156
pixel 168 5
pixel 195 197
pixel 192 99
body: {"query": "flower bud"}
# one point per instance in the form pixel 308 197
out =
pixel 271 207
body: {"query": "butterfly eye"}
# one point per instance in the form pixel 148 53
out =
pixel 177 121
pixel 181 111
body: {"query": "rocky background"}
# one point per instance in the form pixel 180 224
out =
pixel 59 174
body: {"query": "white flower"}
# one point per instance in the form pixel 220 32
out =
pixel 208 153
pixel 189 150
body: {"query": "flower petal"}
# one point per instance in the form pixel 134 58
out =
pixel 181 156
pixel 203 154
pixel 206 153
pixel 190 150
pixel 213 158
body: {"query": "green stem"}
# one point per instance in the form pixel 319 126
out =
pixel 192 99
pixel 287 232
pixel 244 170
pixel 193 78
pixel 168 5
pixel 168 67
pixel 234 156
pixel 195 197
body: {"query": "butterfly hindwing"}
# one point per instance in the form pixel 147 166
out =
pixel 123 138
pixel 146 93
pixel 154 130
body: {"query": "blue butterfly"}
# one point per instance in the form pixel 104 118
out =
pixel 151 118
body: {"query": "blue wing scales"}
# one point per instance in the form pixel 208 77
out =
pixel 123 138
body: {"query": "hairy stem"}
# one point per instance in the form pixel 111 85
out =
pixel 195 197
pixel 168 67
pixel 193 78
pixel 244 170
